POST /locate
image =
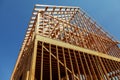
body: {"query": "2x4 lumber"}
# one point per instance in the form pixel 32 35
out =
pixel 92 68
pixel 28 64
pixel 71 63
pixel 77 64
pixel 88 67
pixel 86 21
pixel 59 60
pixel 96 68
pixel 91 47
pixel 89 21
pixel 70 46
pixel 41 73
pixel 73 15
pixel 118 67
pixel 76 26
pixel 99 67
pixel 109 68
pixel 37 23
pixel 50 61
pixel 64 63
pixel 58 65
pixel 81 62
pixel 33 61
pixel 103 67
pixel 52 6
pixel 115 69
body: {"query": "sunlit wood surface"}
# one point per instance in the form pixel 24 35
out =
pixel 63 43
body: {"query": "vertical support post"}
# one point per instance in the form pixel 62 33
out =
pixel 33 61
pixel 82 65
pixel 37 23
pixel 27 75
pixel 69 54
pixel 50 61
pixel 103 68
pixel 57 54
pixel 97 71
pixel 77 65
pixel 28 65
pixel 65 63
pixel 34 55
pixel 41 75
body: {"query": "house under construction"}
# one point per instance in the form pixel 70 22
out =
pixel 63 43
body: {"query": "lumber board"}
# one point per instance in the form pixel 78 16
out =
pixel 77 48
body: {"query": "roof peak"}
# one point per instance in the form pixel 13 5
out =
pixel 41 5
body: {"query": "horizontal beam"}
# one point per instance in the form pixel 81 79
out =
pixel 77 48
pixel 39 5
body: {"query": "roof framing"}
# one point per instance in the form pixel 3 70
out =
pixel 47 15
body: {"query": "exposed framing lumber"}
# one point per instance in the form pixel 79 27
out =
pixel 33 61
pixel 65 42
pixel 66 45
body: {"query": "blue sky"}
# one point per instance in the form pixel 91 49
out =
pixel 15 16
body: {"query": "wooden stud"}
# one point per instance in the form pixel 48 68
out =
pixel 42 53
pixel 69 28
pixel 50 61
pixel 58 66
pixel 33 62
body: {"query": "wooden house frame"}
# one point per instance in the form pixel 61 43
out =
pixel 63 43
